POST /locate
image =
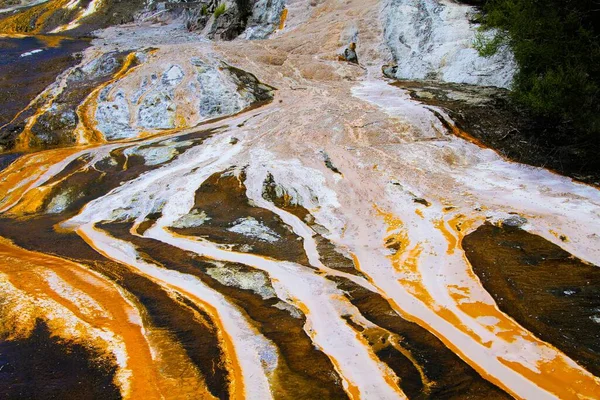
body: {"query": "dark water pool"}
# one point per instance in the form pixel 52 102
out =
pixel 28 65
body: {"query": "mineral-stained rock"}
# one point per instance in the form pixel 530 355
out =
pixel 266 16
pixel 350 53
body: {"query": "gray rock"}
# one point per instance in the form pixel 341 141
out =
pixel 390 71
pixel 433 39
pixel 157 111
pixel 265 19
pixel 113 117
pixel 350 53
pixel 173 76
pixel 228 25
pixel 516 221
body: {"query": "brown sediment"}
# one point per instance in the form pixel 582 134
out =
pixel 83 182
pixel 524 272
pixel 24 78
pixel 302 371
pixel 236 381
pixel 148 223
pixel 187 325
pixel 406 262
pixel 557 374
pixel 332 258
pixel 183 335
pixel 489 118
pixel 352 391
pixel 436 96
pixel 278 196
pixel 329 254
pixel 25 139
pixel 223 199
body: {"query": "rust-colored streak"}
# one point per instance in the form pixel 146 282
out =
pixel 465 136
pixel 419 213
pixel 350 388
pixel 405 261
pixel 27 271
pixel 236 388
pixel 556 376
pixel 388 375
pixel 86 131
pixel 283 18
pixel 19 177
pixel 26 137
pixel 452 241
pixel 21 22
pixel 236 385
pixel 52 41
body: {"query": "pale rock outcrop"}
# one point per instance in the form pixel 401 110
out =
pixel 433 39
pixel 250 19
pixel 113 116
pixel 265 19
pixel 176 95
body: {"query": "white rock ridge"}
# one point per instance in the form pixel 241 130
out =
pixel 433 39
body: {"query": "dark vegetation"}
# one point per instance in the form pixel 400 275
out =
pixel 556 44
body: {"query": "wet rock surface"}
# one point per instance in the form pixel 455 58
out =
pixel 490 116
pixel 524 273
pixel 92 102
pixel 41 366
pixel 227 20
pixel 27 67
pixel 79 18
pixel 217 238
pixel 226 216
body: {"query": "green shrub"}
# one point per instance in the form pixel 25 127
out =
pixel 488 45
pixel 220 10
pixel 556 45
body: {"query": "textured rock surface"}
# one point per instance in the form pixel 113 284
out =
pixel 266 17
pixel 175 95
pixel 433 39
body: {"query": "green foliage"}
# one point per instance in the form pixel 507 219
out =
pixel 557 47
pixel 488 45
pixel 220 10
pixel 204 10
